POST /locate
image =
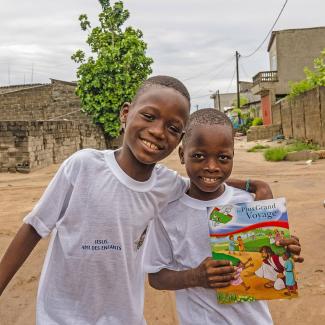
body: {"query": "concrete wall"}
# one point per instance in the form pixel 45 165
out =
pixel 304 117
pixel 296 49
pixel 36 144
pixel 263 132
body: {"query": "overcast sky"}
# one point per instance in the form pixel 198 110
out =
pixel 193 40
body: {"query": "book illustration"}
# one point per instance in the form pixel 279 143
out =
pixel 248 235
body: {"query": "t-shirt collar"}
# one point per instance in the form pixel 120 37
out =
pixel 125 179
pixel 223 199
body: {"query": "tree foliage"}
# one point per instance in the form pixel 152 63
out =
pixel 116 68
pixel 313 79
pixel 242 100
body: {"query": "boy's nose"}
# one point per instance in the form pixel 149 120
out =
pixel 157 130
pixel 212 166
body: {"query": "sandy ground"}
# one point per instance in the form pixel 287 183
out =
pixel 302 185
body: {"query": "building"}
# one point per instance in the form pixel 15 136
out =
pixel 227 99
pixel 290 51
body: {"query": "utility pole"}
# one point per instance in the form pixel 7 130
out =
pixel 237 73
pixel 32 76
pixel 9 74
pixel 219 105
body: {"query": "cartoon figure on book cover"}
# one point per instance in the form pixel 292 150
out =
pixel 238 270
pixel 290 280
pixel 272 269
pixel 232 245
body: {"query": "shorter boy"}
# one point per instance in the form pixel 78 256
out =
pixel 176 256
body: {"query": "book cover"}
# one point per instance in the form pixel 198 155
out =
pixel 248 235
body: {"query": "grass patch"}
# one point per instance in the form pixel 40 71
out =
pixel 300 146
pixel 257 147
pixel 279 153
pixel 275 154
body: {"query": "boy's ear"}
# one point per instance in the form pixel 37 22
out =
pixel 124 112
pixel 181 154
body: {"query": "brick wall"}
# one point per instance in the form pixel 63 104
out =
pixel 55 101
pixel 263 132
pixel 36 144
pixel 304 117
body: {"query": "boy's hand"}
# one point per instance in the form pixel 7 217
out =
pixel 261 189
pixel 214 274
pixel 292 245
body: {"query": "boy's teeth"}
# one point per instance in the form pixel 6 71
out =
pixel 209 180
pixel 150 145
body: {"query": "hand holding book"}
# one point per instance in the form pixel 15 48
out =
pixel 214 274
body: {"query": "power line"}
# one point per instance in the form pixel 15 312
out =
pixel 242 68
pixel 232 79
pixel 200 96
pixel 268 34
pixel 211 70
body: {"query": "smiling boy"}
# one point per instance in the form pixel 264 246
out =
pixel 178 249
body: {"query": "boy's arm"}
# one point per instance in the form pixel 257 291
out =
pixel 261 189
pixel 16 254
pixel 209 274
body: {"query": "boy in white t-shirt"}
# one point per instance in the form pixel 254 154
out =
pixel 98 207
pixel 178 241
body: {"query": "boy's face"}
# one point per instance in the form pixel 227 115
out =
pixel 154 124
pixel 208 157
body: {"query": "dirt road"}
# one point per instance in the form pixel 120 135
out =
pixel 301 184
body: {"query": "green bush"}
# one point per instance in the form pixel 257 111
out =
pixel 275 154
pixel 257 121
pixel 314 78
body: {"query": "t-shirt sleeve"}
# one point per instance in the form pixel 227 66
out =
pixel 53 203
pixel 158 252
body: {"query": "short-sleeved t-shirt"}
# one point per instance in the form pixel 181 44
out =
pixel 98 217
pixel 179 240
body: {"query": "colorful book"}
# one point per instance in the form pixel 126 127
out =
pixel 248 235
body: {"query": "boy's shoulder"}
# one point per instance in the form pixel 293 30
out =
pixel 83 160
pixel 86 156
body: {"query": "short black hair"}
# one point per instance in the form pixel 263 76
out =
pixel 163 81
pixel 206 116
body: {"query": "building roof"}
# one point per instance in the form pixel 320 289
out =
pixel 288 30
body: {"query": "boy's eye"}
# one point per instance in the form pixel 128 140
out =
pixel 174 129
pixel 198 156
pixel 224 158
pixel 148 117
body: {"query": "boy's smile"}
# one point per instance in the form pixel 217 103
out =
pixel 154 127
pixel 208 157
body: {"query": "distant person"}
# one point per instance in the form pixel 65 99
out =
pixel 177 254
pixel 98 207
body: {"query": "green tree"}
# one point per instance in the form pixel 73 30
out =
pixel 313 79
pixel 116 68
pixel 242 100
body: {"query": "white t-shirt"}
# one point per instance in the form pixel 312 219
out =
pixel 179 240
pixel 98 216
